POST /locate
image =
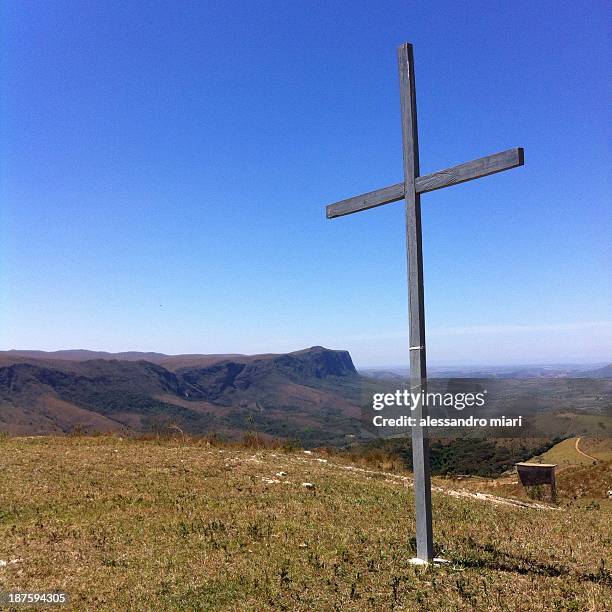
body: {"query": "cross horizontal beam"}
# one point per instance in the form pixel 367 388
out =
pixel 367 200
pixel 477 168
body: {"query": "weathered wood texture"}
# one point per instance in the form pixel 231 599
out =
pixel 416 300
pixel 366 200
pixel 477 168
pixel 534 474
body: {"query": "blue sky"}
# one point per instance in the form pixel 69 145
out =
pixel 165 167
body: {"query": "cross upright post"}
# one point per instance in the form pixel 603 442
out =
pixel 410 190
pixel 416 301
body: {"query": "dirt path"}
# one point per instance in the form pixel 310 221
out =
pixel 458 493
pixel 581 453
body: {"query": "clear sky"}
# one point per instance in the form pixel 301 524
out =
pixel 165 167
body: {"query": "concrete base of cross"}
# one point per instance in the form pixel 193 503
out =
pixel 436 561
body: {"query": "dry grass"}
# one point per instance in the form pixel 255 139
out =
pixel 600 448
pixel 564 454
pixel 148 525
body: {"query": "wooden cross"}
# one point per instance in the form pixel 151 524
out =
pixel 410 190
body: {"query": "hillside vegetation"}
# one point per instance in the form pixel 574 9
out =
pixel 461 456
pixel 165 525
pixel 311 394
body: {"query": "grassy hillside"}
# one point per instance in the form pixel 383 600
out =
pixel 584 467
pixel 565 454
pixel 600 448
pixel 454 457
pixel 119 523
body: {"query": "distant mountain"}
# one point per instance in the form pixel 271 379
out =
pixel 503 372
pixel 380 374
pixel 605 372
pixel 312 394
pixel 170 362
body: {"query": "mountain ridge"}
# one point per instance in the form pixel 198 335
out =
pixel 168 361
pixel 282 394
